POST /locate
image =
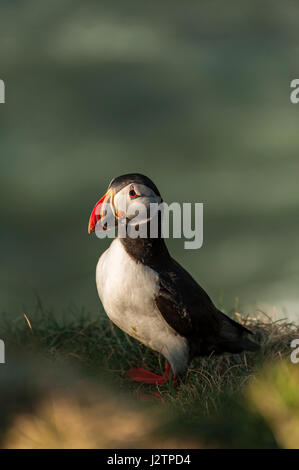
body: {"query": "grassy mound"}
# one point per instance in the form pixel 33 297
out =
pixel 64 385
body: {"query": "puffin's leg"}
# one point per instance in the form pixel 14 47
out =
pixel 167 370
pixel 168 374
pixel 148 377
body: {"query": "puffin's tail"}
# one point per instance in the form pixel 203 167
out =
pixel 234 337
pixel 248 345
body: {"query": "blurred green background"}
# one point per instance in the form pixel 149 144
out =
pixel 193 94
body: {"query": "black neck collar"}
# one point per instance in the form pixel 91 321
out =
pixel 151 252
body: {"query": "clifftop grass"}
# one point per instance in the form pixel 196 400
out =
pixel 72 369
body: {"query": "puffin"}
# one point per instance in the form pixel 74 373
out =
pixel 149 295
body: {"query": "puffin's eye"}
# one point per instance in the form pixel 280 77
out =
pixel 132 193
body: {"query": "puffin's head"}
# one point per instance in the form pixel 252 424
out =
pixel 127 196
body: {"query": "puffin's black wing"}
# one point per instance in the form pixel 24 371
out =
pixel 188 309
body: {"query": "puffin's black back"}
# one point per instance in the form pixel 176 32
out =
pixel 189 310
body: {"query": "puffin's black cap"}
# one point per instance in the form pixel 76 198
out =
pixel 121 181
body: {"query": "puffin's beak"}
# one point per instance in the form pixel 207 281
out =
pixel 98 211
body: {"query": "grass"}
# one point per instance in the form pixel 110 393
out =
pixel 65 370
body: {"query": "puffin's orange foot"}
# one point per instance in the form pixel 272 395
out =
pixel 146 376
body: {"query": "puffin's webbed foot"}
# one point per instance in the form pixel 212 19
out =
pixel 148 377
pixel 145 376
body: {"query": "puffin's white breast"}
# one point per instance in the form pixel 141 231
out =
pixel 127 290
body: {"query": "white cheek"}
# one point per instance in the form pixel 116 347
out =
pixel 138 209
pixel 121 201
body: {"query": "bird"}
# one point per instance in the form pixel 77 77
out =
pixel 150 296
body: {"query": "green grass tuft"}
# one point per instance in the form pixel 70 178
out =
pixel 211 405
